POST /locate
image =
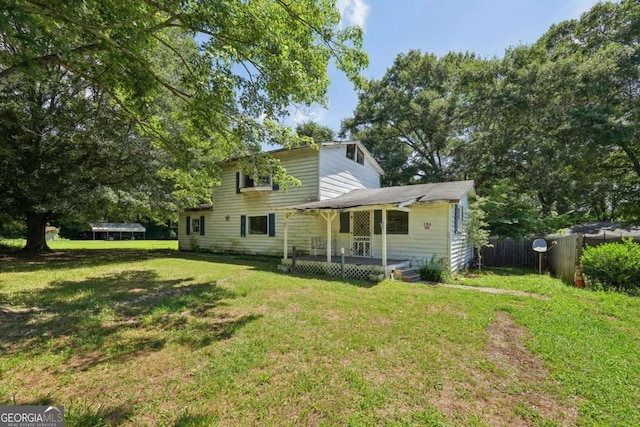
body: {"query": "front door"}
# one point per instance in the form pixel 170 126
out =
pixel 361 235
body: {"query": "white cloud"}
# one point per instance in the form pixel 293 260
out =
pixel 353 12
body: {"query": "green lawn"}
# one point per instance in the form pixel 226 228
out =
pixel 64 244
pixel 158 337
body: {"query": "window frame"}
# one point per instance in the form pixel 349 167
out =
pixel 398 231
pixel 195 225
pixel 355 153
pixel 250 229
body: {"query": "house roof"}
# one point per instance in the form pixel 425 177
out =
pixel 364 149
pixel 116 227
pixel 397 196
pixel 200 207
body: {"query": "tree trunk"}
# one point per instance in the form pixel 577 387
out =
pixel 36 241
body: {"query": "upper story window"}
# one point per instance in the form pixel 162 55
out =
pixel 355 153
pixel 257 181
pixel 246 182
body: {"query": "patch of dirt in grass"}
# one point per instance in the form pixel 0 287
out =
pixel 508 388
pixel 494 291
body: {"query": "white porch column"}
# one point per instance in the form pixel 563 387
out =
pixel 287 217
pixel 383 228
pixel 329 216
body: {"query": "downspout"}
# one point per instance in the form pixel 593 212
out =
pixel 449 232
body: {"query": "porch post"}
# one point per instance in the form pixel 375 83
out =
pixel 329 218
pixel 383 229
pixel 287 217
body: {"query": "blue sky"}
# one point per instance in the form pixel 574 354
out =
pixel 485 27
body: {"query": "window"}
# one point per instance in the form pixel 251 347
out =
pixel 355 153
pixel 351 151
pixel 254 182
pixel 397 222
pixel 258 224
pixel 195 225
pixel 458 215
pixel 345 219
pixel 257 181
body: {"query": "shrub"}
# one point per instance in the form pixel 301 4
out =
pixel 614 266
pixel 433 270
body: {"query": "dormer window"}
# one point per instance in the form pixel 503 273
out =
pixel 355 153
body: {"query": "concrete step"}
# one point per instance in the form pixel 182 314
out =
pixel 408 275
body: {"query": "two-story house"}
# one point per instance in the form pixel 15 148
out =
pixel 339 207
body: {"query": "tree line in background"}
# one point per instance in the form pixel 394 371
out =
pixel 550 132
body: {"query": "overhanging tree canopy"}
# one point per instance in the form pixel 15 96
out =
pixel 137 61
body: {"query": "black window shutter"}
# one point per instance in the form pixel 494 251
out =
pixel 274 185
pixel 455 218
pixel 272 225
pixel 188 225
pixel 344 222
pixel 202 225
pixel 377 219
pixel 237 182
pixel 243 225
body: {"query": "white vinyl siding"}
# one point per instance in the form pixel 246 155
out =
pixel 421 242
pixel 223 235
pixel 461 251
pixel 340 175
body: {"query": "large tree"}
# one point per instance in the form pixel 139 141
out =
pixel 315 131
pixel 412 114
pixel 256 57
pixel 67 151
pixel 137 61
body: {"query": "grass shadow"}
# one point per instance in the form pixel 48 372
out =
pixel 19 262
pixel 188 419
pixel 504 271
pixel 115 317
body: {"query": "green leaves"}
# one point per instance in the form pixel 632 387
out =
pixel 415 110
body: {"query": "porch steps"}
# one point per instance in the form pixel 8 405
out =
pixel 408 275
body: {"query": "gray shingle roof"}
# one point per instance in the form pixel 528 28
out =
pixel 421 193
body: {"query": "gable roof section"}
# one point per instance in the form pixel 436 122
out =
pixel 405 195
pixel 360 145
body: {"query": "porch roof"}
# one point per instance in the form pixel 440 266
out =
pixel 396 196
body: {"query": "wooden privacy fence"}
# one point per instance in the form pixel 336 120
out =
pixel 565 255
pixel 561 257
pixel 510 253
